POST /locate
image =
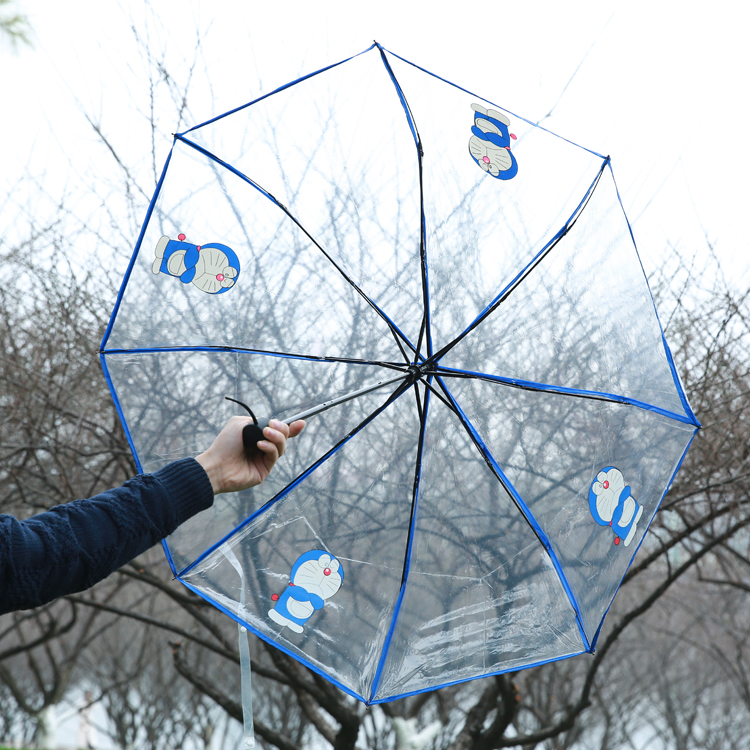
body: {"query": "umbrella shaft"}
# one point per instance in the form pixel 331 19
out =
pixel 341 399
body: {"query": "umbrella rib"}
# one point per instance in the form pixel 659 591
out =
pixel 267 352
pixel 523 509
pixel 276 91
pixel 336 401
pixel 527 385
pixel 407 552
pixel 442 398
pixel 395 331
pixel 524 273
pixel 670 359
pixel 425 326
pixel 418 399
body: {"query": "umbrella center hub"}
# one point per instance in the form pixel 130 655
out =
pixel 415 373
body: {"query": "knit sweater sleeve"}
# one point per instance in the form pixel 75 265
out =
pixel 72 546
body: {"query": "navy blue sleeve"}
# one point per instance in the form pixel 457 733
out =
pixel 72 546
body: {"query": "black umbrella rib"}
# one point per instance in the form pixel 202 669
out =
pixel 284 355
pixel 408 548
pixel 418 399
pixel 526 513
pixel 484 452
pixel 437 393
pixel 415 490
pixel 539 388
pixel 610 398
pixel 424 330
pixel 397 334
pixel 543 253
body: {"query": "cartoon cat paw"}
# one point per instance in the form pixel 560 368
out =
pixel 487 127
pixel 161 246
pixel 176 263
pixel 631 505
pixel 284 621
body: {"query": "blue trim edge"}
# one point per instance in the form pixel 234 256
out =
pixel 409 548
pixel 270 641
pixel 635 551
pixel 479 677
pixel 680 391
pixel 276 91
pixel 520 503
pixel 136 250
pixel 120 413
pixel 564 390
pixel 471 93
pixel 340 685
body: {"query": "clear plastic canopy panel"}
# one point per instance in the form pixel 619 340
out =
pixel 370 221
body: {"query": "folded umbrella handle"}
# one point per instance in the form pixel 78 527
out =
pixel 253 433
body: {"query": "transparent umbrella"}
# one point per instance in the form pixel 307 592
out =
pixel 373 228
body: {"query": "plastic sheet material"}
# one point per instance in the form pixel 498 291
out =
pixel 373 220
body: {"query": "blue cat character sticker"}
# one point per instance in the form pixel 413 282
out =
pixel 315 577
pixel 490 144
pixel 213 268
pixel 612 504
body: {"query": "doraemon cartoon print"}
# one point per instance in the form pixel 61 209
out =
pixel 315 577
pixel 612 504
pixel 213 268
pixel 490 144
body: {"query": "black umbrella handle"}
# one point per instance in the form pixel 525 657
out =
pixel 252 434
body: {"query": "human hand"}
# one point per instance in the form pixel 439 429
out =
pixel 230 468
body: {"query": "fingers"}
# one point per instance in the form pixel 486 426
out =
pixel 276 434
pixel 230 468
pixel 274 444
pixel 270 453
pixel 296 427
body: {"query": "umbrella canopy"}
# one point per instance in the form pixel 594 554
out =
pixel 370 221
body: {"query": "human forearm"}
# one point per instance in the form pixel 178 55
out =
pixel 72 546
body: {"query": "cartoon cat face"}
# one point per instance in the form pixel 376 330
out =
pixel 321 576
pixel 492 159
pixel 607 488
pixel 213 271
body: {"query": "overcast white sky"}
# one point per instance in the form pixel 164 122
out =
pixel 661 86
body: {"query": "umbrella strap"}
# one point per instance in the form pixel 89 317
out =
pixel 246 689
